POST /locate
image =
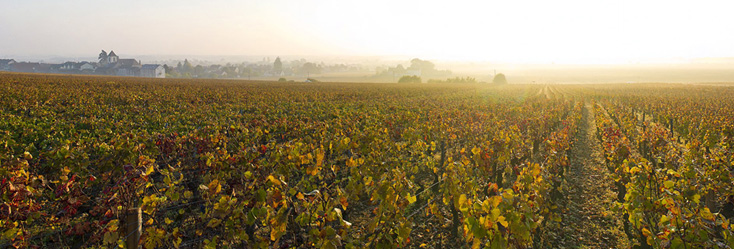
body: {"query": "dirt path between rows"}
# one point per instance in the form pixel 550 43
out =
pixel 587 221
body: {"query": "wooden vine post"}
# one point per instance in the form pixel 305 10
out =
pixel 133 228
pixel 671 128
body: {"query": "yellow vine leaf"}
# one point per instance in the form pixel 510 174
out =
pixel 319 158
pixel 462 203
pixel 214 187
pixel 411 198
pixel 476 151
pixel 275 181
pixel 502 221
pixel 706 214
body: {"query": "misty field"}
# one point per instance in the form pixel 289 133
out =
pixel 105 162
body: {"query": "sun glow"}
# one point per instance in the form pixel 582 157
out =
pixel 567 31
pixel 529 31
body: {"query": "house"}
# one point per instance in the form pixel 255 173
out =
pixel 87 67
pixel 128 63
pixel 153 71
pixel 127 67
pixel 104 69
pixel 45 68
pixel 111 58
pixel 111 64
pixel 25 67
pixel 5 64
pixel 69 66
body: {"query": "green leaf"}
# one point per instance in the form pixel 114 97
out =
pixel 210 244
pixel 476 229
pixel 404 231
pixel 676 243
pixel 499 243
pixel 10 233
pixel 462 203
pixel 663 219
pixel 696 198
pixel 110 238
pixel 112 226
pixel 669 184
pixel 214 222
pixel 495 214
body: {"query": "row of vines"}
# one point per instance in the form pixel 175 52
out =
pixel 263 165
pixel 670 151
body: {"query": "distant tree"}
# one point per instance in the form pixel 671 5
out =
pixel 199 70
pixel 399 69
pixel 230 70
pixel 310 68
pixel 424 66
pixel 278 66
pixel 410 79
pixel 179 67
pixel 187 67
pixel 282 80
pixel 499 79
pixel 455 80
pixel 102 56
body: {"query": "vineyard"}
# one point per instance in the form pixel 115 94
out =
pixel 112 162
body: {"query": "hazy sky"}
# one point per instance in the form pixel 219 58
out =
pixel 530 31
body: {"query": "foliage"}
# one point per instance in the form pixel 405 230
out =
pixel 410 79
pixel 499 79
pixel 277 66
pixel 417 67
pixel 246 165
pixel 455 80
pixel 422 65
pixel 673 193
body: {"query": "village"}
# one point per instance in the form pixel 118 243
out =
pixel 108 64
pixel 111 64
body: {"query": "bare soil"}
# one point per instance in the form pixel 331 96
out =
pixel 587 221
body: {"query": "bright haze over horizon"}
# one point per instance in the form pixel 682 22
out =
pixel 530 31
